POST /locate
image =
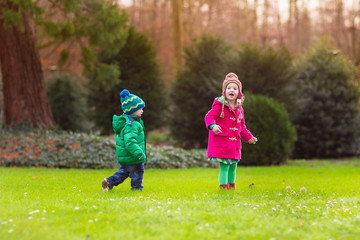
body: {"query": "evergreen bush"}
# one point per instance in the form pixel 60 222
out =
pixel 67 102
pixel 266 71
pixel 196 86
pixel 328 105
pixel 133 68
pixel 269 121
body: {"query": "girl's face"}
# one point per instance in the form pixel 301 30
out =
pixel 232 92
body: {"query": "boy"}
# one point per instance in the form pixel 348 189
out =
pixel 130 143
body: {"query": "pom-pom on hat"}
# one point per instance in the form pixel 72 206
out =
pixel 130 103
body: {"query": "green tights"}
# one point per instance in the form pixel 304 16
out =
pixel 227 173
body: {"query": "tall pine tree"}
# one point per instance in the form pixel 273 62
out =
pixel 133 68
pixel 206 65
pixel 327 120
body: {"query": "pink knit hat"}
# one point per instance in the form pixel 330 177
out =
pixel 231 78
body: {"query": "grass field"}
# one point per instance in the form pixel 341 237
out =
pixel 183 204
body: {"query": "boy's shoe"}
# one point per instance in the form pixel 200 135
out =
pixel 105 185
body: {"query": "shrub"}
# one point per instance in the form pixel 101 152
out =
pixel 133 68
pixel 269 121
pixel 59 149
pixel 328 105
pixel 67 104
pixel 196 87
pixel 265 71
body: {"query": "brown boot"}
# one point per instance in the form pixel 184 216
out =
pixel 224 186
pixel 232 186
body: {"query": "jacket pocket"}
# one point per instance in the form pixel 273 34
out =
pixel 221 140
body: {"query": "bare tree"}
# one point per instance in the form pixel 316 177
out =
pixel 177 32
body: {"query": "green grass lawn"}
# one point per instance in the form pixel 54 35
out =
pixel 183 204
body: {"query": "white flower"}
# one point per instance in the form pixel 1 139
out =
pixel 77 208
pixel 288 188
pixel 303 189
pixel 274 209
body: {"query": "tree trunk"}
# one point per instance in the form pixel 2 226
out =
pixel 177 30
pixel 24 91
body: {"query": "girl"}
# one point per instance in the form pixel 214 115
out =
pixel 226 124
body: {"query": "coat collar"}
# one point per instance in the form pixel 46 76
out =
pixel 222 100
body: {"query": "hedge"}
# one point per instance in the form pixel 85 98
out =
pixel 60 149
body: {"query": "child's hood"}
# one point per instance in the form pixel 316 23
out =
pixel 221 100
pixel 119 122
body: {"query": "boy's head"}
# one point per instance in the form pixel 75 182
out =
pixel 130 103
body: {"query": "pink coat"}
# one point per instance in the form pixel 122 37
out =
pixel 226 144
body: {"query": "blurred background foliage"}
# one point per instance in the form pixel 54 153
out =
pixel 300 104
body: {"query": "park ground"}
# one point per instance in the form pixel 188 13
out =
pixel 300 200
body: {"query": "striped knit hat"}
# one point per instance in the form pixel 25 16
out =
pixel 130 103
pixel 231 78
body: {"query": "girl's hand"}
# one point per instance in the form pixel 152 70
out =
pixel 216 129
pixel 252 140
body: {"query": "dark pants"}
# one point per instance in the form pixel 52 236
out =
pixel 135 172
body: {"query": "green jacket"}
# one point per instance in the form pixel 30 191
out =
pixel 130 139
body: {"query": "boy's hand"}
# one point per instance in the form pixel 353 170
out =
pixel 252 140
pixel 216 129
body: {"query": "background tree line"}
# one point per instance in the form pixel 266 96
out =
pixel 294 24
